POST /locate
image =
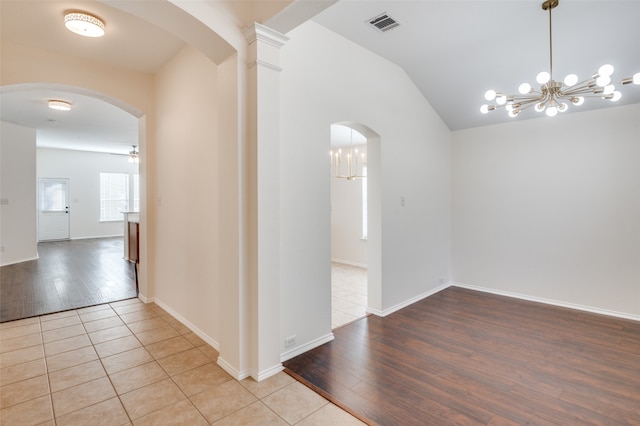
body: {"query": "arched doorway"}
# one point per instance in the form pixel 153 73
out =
pixel 355 219
pixel 77 147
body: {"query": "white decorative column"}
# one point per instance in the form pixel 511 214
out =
pixel 263 124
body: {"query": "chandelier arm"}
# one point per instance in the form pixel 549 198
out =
pixel 588 84
pixel 583 91
pixel 526 98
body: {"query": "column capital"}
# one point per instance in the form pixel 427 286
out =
pixel 258 32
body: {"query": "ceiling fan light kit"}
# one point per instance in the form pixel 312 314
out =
pixel 554 96
pixel 134 155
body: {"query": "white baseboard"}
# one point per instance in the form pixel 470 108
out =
pixel 407 302
pixel 146 299
pixel 241 375
pixel 201 334
pixel 306 347
pixel 265 374
pixel 550 301
pixel 236 374
pixel 13 262
pixel 350 263
pixel 97 236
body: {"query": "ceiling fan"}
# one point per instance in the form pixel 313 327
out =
pixel 134 154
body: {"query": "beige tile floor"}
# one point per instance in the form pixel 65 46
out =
pixel 129 363
pixel 348 293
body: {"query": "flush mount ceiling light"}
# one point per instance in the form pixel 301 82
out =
pixel 59 105
pixel 553 96
pixel 84 24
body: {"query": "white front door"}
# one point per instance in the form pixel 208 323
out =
pixel 53 209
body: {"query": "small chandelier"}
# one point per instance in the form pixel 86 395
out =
pixel 553 96
pixel 354 168
pixel 84 24
pixel 134 155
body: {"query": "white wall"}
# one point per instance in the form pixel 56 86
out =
pixel 187 190
pixel 327 79
pixel 550 208
pixel 83 170
pixel 18 239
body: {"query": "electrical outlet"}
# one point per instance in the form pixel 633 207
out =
pixel 290 341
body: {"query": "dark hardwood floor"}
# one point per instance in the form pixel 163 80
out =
pixel 465 357
pixel 68 275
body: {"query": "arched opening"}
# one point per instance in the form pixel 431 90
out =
pixel 355 222
pixel 80 151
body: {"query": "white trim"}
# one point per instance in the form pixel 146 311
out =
pixel 146 299
pixel 265 374
pixel 306 347
pixel 13 262
pixel 348 262
pixel 98 236
pixel 201 334
pixel 236 374
pixel 265 64
pixel 265 34
pixel 408 302
pixel 550 302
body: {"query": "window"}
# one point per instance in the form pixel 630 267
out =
pixel 365 225
pixel 114 195
pixel 136 192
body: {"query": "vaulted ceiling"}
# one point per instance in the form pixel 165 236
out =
pixel 453 50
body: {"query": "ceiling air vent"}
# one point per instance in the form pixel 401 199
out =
pixel 384 22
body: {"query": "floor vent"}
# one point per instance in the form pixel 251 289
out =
pixel 384 22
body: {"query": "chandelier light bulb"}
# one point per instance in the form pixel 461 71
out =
pixel 562 107
pixel 605 70
pixel 636 78
pixel 484 109
pixel 552 111
pixel 609 89
pixel 501 99
pixel 524 88
pixel 513 113
pixel 570 80
pixel 603 80
pixel 616 96
pixel 543 77
pixel 490 94
pixel 540 107
pixel 578 101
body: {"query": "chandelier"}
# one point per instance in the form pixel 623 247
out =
pixel 353 167
pixel 134 155
pixel 554 96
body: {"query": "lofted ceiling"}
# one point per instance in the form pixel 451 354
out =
pixel 453 50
